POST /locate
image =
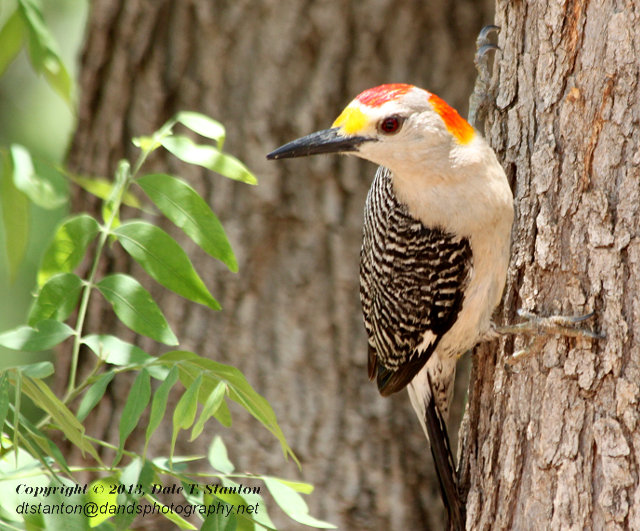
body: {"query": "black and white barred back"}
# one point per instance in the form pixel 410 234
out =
pixel 412 283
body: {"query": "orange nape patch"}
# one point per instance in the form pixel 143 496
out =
pixel 455 123
pixel 376 96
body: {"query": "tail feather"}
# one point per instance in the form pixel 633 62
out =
pixel 445 467
pixel 431 403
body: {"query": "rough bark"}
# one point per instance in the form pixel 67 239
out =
pixel 555 445
pixel 271 71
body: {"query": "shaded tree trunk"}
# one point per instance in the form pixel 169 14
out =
pixel 271 71
pixel 555 445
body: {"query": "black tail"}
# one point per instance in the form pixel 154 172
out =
pixel 445 468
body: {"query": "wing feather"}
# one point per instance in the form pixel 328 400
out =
pixel 412 282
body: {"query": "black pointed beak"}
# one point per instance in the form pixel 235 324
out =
pixel 326 141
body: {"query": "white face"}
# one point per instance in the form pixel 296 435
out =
pixel 404 130
pixel 407 129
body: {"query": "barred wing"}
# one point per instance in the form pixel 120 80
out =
pixel 412 282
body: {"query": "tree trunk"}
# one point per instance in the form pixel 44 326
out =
pixel 272 71
pixel 555 444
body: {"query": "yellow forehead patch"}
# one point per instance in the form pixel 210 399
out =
pixel 352 120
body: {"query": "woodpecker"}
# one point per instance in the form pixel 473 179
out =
pixel 435 249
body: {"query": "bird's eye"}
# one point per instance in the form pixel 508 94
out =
pixel 390 125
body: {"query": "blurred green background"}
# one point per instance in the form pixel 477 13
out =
pixel 33 115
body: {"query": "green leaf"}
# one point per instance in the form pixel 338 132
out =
pixel 27 442
pixel 46 445
pixel 203 125
pixel 238 387
pixel 223 415
pixel 110 210
pixel 173 517
pixel 211 406
pixel 93 395
pixel 68 247
pixel 4 401
pixel 45 335
pixel 298 486
pixel 185 412
pixel 208 157
pixel 137 478
pixel 113 350
pixel 139 472
pixel 246 520
pixel 100 493
pixel 292 503
pixel 102 188
pixel 130 478
pixel 11 39
pixel 110 217
pixel 57 298
pixel 219 521
pixel 44 398
pixel 15 218
pixel 40 189
pixel 134 406
pixel 41 369
pixel 43 50
pixel 184 206
pixel 218 456
pixel 65 519
pixel 161 256
pixel 17 404
pixel 135 307
pixel 150 143
pixel 55 179
pixel 159 404
pixel 147 144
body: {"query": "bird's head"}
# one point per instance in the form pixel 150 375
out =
pixel 390 125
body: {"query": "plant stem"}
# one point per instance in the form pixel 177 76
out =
pixel 77 390
pixel 123 179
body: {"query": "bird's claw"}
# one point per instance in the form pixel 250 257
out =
pixel 541 327
pixel 482 94
pixel 555 325
pixel 483 36
pixel 481 55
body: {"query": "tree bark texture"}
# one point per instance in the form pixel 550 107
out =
pixel 555 444
pixel 273 70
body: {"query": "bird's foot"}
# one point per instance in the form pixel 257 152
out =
pixel 542 327
pixel 483 92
